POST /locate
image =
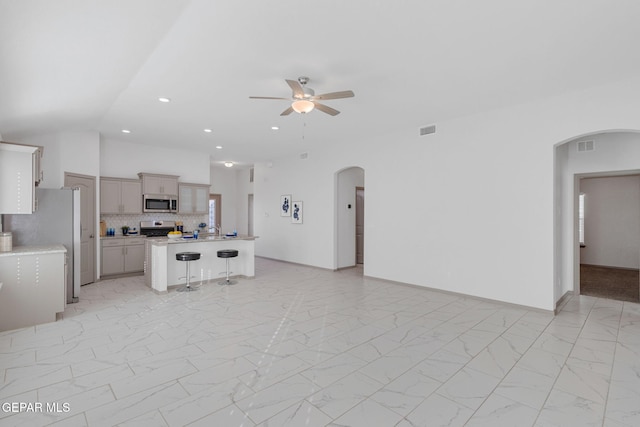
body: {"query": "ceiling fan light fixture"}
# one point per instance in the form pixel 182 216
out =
pixel 302 106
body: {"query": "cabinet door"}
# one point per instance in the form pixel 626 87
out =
pixel 133 258
pixel 112 260
pixel 17 189
pixel 131 197
pixel 110 190
pixel 185 200
pixel 201 205
pixel 170 186
pixel 152 184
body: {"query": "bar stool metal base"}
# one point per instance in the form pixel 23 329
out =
pixel 187 256
pixel 227 253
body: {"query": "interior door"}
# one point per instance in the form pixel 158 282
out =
pixel 359 225
pixel 87 186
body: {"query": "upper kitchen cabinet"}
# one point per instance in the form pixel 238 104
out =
pixel 159 184
pixel 120 196
pixel 19 174
pixel 193 198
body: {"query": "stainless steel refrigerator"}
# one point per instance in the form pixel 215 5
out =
pixel 56 221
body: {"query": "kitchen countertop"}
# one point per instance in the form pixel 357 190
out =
pixel 34 250
pixel 166 240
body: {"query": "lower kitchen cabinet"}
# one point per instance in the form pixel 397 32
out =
pixel 33 285
pixel 122 255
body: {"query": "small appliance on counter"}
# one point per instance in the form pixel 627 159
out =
pixel 6 241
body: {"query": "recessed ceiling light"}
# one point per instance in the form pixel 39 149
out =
pixel 274 128
pixel 228 164
pixel 219 147
pixel 163 99
pixel 126 131
pixel 208 130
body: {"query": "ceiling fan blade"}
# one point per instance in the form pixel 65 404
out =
pixel 296 87
pixel 326 109
pixel 287 112
pixel 267 97
pixel 335 95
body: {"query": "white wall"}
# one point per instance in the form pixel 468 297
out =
pixel 468 209
pixel 612 221
pixel 347 181
pixel 234 187
pixel 75 152
pixel 125 160
pixel 243 188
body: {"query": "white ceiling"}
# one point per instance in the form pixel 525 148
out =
pixel 102 64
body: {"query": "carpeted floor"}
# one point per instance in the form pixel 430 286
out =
pixel 607 282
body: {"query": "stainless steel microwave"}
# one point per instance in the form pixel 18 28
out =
pixel 159 203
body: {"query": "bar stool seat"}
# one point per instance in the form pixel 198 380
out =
pixel 227 254
pixel 188 257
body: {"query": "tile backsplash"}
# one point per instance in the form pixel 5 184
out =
pixel 190 222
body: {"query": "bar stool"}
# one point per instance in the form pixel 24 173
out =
pixel 227 253
pixel 188 257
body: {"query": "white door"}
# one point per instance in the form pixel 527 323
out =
pixel 87 186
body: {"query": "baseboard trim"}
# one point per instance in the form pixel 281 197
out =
pixel 611 266
pixel 562 301
pixel 459 294
pixel 296 263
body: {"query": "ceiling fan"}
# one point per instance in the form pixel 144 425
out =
pixel 304 100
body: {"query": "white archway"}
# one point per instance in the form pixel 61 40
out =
pixel 614 152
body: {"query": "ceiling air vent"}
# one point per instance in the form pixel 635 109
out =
pixel 427 130
pixel 585 146
pixel 304 155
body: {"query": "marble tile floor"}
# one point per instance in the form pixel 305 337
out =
pixel 299 346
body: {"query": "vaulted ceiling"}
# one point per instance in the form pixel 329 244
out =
pixel 102 65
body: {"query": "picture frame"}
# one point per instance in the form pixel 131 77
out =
pixel 296 212
pixel 285 205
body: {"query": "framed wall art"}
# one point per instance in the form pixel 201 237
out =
pixel 296 212
pixel 285 205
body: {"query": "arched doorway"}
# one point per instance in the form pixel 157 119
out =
pixel 349 217
pixel 597 154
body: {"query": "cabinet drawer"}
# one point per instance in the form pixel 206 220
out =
pixel 112 242
pixel 134 241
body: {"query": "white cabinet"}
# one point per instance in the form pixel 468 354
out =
pixel 19 174
pixel 33 289
pixel 193 199
pixel 122 255
pixel 120 196
pixel 159 184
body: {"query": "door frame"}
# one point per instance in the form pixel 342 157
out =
pixel 356 228
pixel 93 224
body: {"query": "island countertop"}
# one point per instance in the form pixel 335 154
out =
pixel 162 270
pixel 167 241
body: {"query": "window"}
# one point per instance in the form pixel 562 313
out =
pixel 581 218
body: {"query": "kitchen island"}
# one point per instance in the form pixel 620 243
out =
pixel 33 290
pixel 162 270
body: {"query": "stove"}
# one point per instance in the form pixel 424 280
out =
pixel 156 228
